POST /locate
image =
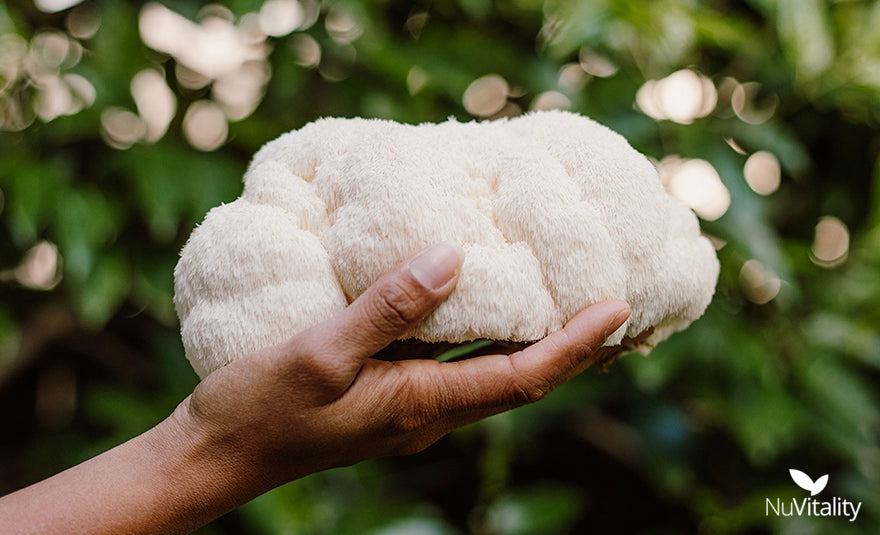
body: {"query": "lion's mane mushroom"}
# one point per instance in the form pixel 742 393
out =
pixel 554 212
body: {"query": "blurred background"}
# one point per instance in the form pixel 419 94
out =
pixel 122 123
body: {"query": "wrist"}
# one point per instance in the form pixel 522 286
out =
pixel 208 470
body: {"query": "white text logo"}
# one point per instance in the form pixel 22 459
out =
pixel 837 507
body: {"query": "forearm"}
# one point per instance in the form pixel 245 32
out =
pixel 170 479
pixel 307 404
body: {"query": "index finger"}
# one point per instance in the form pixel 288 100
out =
pixel 562 355
pixel 490 384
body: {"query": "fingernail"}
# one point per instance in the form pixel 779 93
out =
pixel 617 319
pixel 436 266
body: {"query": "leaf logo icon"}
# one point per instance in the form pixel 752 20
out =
pixel 805 482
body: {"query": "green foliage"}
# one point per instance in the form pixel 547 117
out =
pixel 781 372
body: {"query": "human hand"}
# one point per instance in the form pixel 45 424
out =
pixel 319 399
pixel 315 401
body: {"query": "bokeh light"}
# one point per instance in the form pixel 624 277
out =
pixel 280 17
pixel 189 78
pixel 83 21
pixel 311 10
pixel 230 57
pixel 696 184
pixel 31 80
pixel 213 48
pixel 54 6
pixel 13 50
pixel 49 50
pixel 596 64
pixel 680 97
pixel 572 78
pixel 745 104
pixel 163 29
pixel 241 93
pixel 550 100
pixel 204 125
pixel 717 242
pixel 759 283
pixel 342 26
pixel 511 109
pixel 762 172
pixel 486 95
pixel 40 269
pixel 15 115
pixel 155 102
pixel 416 79
pixel 81 88
pixel 735 146
pixel 38 67
pixel 830 243
pixel 121 128
pixel 53 100
pixel 416 21
pixel 306 50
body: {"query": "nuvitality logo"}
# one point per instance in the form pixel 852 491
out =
pixel 810 506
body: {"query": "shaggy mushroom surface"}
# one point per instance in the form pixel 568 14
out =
pixel 554 212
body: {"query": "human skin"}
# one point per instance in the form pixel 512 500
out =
pixel 313 402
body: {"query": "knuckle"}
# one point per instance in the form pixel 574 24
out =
pixel 396 306
pixel 404 415
pixel 314 373
pixel 526 389
pixel 562 344
pixel 405 422
pixel 312 365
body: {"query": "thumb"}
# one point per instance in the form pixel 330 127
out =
pixel 395 302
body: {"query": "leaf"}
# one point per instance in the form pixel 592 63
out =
pixel 805 36
pixel 415 524
pixel 765 419
pixel 86 220
pixel 463 350
pixel 99 296
pixel 543 509
pixel 803 480
pixel 174 186
pixel 33 189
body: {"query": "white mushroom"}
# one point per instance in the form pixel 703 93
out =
pixel 554 212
